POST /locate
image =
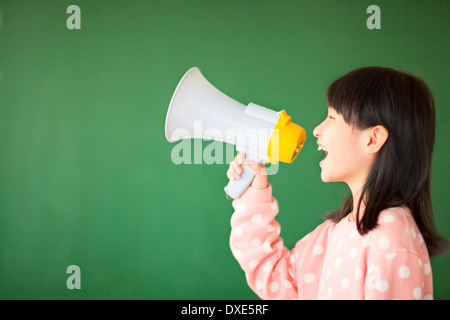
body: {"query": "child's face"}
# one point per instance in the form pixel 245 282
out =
pixel 345 158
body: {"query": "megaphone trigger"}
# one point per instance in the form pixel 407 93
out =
pixel 236 187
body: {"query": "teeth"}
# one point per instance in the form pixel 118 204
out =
pixel 321 148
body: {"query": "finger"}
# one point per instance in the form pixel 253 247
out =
pixel 235 171
pixel 257 168
pixel 231 174
pixel 237 168
pixel 240 158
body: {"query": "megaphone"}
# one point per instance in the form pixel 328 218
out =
pixel 262 134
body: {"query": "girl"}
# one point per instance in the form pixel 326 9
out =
pixel 378 138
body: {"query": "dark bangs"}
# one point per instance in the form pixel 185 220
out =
pixel 357 94
pixel 401 172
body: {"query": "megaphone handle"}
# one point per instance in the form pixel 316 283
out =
pixel 237 187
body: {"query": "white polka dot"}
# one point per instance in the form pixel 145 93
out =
pixel 367 242
pixel 353 252
pixel 420 238
pixel 306 237
pixel 255 243
pixel 287 284
pixel 291 272
pixel 382 285
pixel 267 267
pixel 330 292
pixel 404 212
pixel 274 286
pixel 241 207
pixel 426 268
pixel 267 247
pixel 238 231
pixel 309 278
pixel 413 233
pixel 259 285
pixel 420 263
pixel 358 273
pixel 417 293
pixel 252 265
pixel 318 249
pixel 339 245
pixel 292 259
pixel 274 205
pixel 372 268
pixel 428 297
pixel 257 218
pixel 390 256
pixel 338 262
pixel 383 242
pixel 388 219
pixel 270 228
pixel 404 272
pixel 353 234
pixel 345 283
pixel 237 253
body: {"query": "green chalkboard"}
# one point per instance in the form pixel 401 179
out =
pixel 86 176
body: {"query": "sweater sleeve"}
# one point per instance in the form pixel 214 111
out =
pixel 256 245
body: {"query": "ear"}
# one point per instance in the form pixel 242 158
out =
pixel 376 137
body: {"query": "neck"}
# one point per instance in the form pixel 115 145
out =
pixel 356 194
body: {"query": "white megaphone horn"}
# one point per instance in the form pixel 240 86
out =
pixel 262 134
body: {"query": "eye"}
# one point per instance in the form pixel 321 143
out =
pixel 331 117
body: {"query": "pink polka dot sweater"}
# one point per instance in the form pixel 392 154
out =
pixel 332 262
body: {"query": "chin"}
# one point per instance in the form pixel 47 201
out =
pixel 328 178
pixel 324 177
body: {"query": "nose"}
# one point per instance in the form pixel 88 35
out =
pixel 317 131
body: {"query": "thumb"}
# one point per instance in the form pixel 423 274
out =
pixel 257 168
pixel 240 158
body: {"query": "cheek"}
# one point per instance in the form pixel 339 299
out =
pixel 350 162
pixel 345 156
pixel 349 150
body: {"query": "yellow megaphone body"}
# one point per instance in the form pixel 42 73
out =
pixel 262 134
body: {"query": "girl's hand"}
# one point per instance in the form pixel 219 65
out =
pixel 260 180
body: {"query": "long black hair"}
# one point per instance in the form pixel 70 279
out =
pixel 400 175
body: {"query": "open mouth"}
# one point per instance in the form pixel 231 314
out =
pixel 323 149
